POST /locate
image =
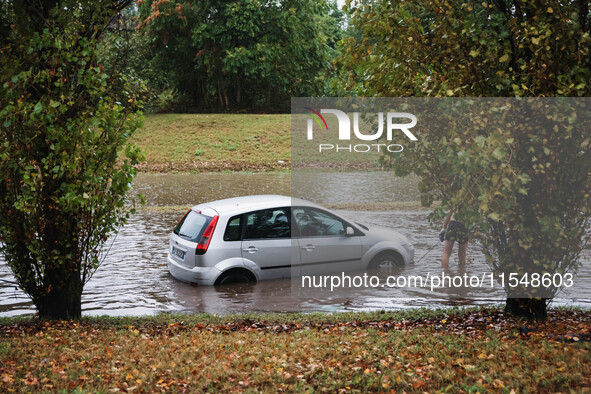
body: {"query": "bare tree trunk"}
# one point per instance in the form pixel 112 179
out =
pixel 62 303
pixel 238 89
pixel 531 308
pixel 227 101
pixel 220 93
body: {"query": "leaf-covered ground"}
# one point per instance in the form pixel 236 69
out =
pixel 476 350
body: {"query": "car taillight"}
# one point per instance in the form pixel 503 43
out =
pixel 206 238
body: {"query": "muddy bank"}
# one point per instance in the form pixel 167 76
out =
pixel 229 166
pixel 210 166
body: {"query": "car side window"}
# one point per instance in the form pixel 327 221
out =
pixel 317 223
pixel 268 223
pixel 233 229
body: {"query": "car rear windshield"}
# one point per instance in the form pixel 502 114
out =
pixel 192 226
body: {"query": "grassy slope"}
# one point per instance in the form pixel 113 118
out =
pixel 229 142
pixel 412 351
pixel 214 142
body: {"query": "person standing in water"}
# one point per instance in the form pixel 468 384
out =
pixel 453 231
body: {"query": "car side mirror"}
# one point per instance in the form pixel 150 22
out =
pixel 349 232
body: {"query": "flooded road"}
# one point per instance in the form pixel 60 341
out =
pixel 134 279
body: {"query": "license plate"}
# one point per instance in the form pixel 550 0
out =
pixel 179 253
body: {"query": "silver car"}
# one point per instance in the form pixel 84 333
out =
pixel 264 237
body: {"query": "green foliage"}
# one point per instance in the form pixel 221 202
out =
pixel 62 190
pixel 125 52
pixel 167 101
pixel 250 54
pixel 522 184
pixel 469 48
pixel 517 172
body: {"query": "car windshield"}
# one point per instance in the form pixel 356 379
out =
pixel 192 226
pixel 314 222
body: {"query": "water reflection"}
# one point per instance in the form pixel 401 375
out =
pixel 337 188
pixel 192 189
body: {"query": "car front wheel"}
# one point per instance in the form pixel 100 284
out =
pixel 235 276
pixel 386 262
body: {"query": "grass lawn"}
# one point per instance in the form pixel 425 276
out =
pixel 233 142
pixel 414 351
pixel 214 142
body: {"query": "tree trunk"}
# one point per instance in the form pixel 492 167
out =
pixel 220 94
pixel 226 100
pixel 238 89
pixel 531 308
pixel 64 303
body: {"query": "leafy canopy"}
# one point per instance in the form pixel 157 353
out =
pixel 469 48
pixel 249 54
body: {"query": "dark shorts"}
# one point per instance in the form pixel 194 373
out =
pixel 456 232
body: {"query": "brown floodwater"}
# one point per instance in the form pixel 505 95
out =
pixel 134 280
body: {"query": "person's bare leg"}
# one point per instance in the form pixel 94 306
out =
pixel 448 247
pixel 462 253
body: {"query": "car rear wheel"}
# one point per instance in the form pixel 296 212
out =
pixel 235 276
pixel 386 262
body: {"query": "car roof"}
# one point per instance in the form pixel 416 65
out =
pixel 251 203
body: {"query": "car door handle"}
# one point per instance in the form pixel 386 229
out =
pixel 309 247
pixel 250 249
